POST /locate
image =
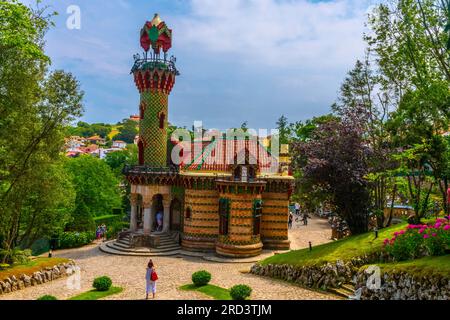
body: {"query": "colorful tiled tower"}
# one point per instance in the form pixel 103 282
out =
pixel 154 75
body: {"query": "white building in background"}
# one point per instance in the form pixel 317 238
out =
pixel 119 144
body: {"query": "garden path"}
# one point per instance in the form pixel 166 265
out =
pixel 129 272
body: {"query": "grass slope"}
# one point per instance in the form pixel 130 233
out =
pixel 428 266
pixel 210 290
pixel 31 267
pixel 345 249
pixel 96 295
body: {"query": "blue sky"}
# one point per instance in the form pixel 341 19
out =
pixel 240 60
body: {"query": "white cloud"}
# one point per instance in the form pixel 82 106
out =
pixel 277 33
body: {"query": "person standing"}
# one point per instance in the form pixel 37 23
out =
pixel 150 277
pixel 297 208
pixel 305 219
pixel 159 221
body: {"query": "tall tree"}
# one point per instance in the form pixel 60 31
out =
pixel 339 171
pixel 35 107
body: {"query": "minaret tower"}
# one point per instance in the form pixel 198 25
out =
pixel 154 75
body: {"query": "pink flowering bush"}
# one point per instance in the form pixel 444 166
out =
pixel 419 240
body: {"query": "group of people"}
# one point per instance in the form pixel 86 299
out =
pixel 298 216
pixel 100 233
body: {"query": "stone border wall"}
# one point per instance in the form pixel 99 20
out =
pixel 12 283
pixel 318 277
pixel 405 286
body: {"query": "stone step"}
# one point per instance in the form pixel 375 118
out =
pixel 345 291
pixel 163 243
pixel 109 250
pixel 121 247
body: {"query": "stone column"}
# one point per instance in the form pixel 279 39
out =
pixel 148 216
pixel 166 220
pixel 133 218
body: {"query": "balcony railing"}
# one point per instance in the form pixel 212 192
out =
pixel 142 170
pixel 154 61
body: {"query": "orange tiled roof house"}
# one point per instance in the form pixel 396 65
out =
pixel 227 195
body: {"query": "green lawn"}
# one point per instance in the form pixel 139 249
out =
pixel 96 295
pixel 213 291
pixel 32 266
pixel 345 249
pixel 421 267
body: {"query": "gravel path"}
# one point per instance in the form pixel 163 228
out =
pixel 129 272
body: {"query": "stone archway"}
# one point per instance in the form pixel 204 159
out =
pixel 158 212
pixel 175 215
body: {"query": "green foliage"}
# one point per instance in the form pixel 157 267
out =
pixel 119 159
pixel 97 295
pixel 107 219
pixel 345 249
pixel 15 256
pixel 97 190
pixel 419 240
pixel 35 106
pixel 69 240
pixel 210 290
pixel 127 132
pixel 115 228
pixel 4 266
pixel 47 298
pixel 87 130
pixel 102 283
pixel 241 292
pixel 201 278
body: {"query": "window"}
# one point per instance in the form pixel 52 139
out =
pixel 162 120
pixel 244 174
pixel 188 213
pixel 257 214
pixel 141 152
pixel 224 213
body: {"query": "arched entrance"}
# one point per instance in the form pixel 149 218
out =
pixel 175 215
pixel 158 212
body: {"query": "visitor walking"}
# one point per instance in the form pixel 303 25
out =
pixel 103 231
pixel 297 208
pixel 159 221
pixel 305 219
pixel 151 277
pixel 98 233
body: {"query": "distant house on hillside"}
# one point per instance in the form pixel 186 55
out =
pixel 74 142
pixel 96 140
pixel 119 144
pixel 135 118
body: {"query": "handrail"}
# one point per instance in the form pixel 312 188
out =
pixel 149 170
pixel 155 61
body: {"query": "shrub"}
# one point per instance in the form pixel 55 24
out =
pixel 107 219
pixel 4 266
pixel 15 256
pixel 240 292
pixel 419 241
pixel 102 283
pixel 115 228
pixel 201 278
pixel 47 298
pixel 69 240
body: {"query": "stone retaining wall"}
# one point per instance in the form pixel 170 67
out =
pixel 13 283
pixel 319 277
pixel 404 286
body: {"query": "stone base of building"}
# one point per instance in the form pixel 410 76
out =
pixel 270 244
pixel 198 245
pixel 239 251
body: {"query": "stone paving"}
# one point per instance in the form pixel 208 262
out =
pixel 129 272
